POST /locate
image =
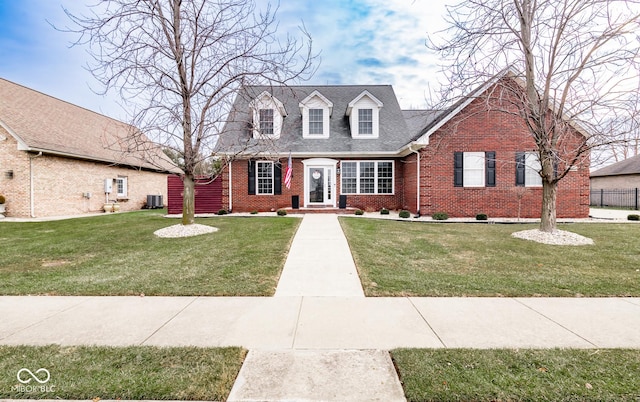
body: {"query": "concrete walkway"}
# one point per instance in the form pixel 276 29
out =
pixel 320 338
pixel 319 261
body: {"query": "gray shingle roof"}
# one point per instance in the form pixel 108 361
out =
pixel 627 166
pixel 43 123
pixel 394 131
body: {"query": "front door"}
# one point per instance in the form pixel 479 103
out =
pixel 320 189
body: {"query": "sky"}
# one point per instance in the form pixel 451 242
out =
pixel 360 42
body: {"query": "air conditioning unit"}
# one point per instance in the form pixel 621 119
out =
pixel 154 201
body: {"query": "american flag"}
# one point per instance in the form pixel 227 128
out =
pixel 288 173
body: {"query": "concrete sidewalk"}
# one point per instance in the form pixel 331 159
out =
pixel 322 323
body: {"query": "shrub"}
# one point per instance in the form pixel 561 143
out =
pixel 281 212
pixel 481 217
pixel 254 212
pixel 384 211
pixel 359 212
pixel 633 217
pixel 222 212
pixel 405 214
pixel 440 216
pixel 2 199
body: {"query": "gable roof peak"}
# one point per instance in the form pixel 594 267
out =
pixel 362 95
pixel 317 94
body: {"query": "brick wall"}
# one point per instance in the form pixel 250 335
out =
pixel 59 184
pixel 243 202
pixel 474 130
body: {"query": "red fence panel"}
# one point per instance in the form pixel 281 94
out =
pixel 208 195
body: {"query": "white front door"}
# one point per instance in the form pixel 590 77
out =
pixel 321 186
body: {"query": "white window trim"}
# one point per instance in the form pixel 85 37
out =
pixel 125 183
pixel 532 168
pixel 468 167
pixel 258 177
pixel 316 101
pixel 267 101
pixel 364 101
pixel 375 177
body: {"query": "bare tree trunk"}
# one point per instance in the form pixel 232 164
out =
pixel 188 200
pixel 548 216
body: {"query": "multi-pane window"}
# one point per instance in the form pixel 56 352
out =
pixel 367 177
pixel 385 177
pixel 266 121
pixel 349 177
pixel 121 186
pixel 315 121
pixel 365 121
pixel 264 177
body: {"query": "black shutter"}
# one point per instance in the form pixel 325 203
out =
pixel 490 168
pixel 252 177
pixel 520 165
pixel 277 178
pixel 457 169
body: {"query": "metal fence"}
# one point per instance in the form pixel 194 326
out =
pixel 619 197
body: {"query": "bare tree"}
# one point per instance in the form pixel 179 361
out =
pixel 579 68
pixel 178 64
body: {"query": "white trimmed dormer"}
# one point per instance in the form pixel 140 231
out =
pixel 316 111
pixel 268 114
pixel 364 116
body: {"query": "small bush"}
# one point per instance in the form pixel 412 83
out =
pixel 254 212
pixel 384 211
pixel 359 212
pixel 633 217
pixel 281 212
pixel 404 214
pixel 440 216
pixel 481 217
pixel 222 212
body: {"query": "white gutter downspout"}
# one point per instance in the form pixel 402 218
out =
pixel 32 206
pixel 417 152
pixel 230 188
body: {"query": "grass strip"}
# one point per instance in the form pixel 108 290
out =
pixel 456 259
pixel 519 375
pixel 118 254
pixel 139 372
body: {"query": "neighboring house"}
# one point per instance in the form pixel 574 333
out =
pixel 352 146
pixel 617 185
pixel 620 175
pixel 58 159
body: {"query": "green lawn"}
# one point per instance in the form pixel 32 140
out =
pixel 450 259
pixel 118 254
pixel 519 375
pixel 139 372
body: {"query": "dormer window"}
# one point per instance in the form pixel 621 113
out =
pixel 316 122
pixel 364 116
pixel 266 121
pixel 268 114
pixel 365 121
pixel 316 111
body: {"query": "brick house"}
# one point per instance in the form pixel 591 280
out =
pixel 352 146
pixel 57 158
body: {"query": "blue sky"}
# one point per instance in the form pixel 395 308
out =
pixel 361 42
